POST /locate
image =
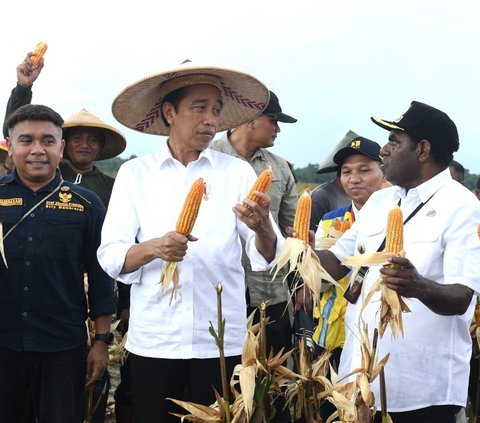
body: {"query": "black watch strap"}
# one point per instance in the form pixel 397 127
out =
pixel 104 337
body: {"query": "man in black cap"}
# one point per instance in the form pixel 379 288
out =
pixel 427 370
pixel 250 142
pixel 361 175
pixel 330 195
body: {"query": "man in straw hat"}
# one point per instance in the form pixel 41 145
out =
pixel 6 163
pixel 251 142
pixel 87 138
pixel 427 370
pixel 171 350
pixel 51 231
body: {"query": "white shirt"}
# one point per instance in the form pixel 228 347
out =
pixel 430 366
pixel 147 197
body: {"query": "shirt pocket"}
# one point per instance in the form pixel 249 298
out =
pixel 63 233
pixel 9 216
pixel 371 234
pixel 422 244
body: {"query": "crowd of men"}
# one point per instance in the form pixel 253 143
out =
pixel 80 245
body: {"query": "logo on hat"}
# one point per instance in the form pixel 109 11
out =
pixel 356 144
pixel 398 119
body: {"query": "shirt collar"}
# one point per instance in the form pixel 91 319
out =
pixel 427 189
pixel 164 155
pixel 13 177
pixel 228 148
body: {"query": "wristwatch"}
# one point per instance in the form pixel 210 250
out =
pixel 104 337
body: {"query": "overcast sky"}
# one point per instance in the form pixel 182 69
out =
pixel 333 64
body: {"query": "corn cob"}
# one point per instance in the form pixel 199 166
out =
pixel 38 53
pixel 337 224
pixel 301 223
pixel 346 225
pixel 262 184
pixel 478 231
pixel 392 304
pixel 394 236
pixel 191 206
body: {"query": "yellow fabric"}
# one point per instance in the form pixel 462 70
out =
pixel 330 330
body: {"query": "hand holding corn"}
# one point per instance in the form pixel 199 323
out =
pixel 254 211
pixel 38 53
pixel 177 241
pixel 403 277
pixel 27 72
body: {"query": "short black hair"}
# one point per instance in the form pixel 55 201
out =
pixel 174 98
pixel 33 112
pixel 440 156
pixel 458 167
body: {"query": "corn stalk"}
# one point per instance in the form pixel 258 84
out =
pixel 219 340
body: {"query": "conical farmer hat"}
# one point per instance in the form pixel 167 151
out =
pixel 115 142
pixel 139 105
pixel 328 165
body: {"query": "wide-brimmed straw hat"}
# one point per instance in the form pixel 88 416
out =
pixel 115 142
pixel 3 151
pixel 3 145
pixel 139 105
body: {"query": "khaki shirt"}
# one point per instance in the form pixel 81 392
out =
pixel 283 203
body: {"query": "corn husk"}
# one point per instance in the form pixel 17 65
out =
pixel 392 305
pixel 170 273
pixel 2 248
pixel 302 259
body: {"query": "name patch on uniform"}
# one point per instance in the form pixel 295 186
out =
pixel 11 202
pixel 58 205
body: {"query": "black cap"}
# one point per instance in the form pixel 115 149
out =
pixel 274 110
pixel 328 165
pixel 359 145
pixel 424 122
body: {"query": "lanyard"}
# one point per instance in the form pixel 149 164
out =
pixel 413 213
pixel 33 208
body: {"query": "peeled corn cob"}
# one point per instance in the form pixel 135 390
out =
pixel 184 226
pixel 191 206
pixel 394 232
pixel 392 304
pixel 262 184
pixel 38 53
pixel 301 224
pixel 346 225
pixel 337 224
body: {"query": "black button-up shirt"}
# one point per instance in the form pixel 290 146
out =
pixel 43 306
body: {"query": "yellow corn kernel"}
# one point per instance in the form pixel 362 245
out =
pixel 262 184
pixel 301 223
pixel 191 206
pixel 346 225
pixel 38 53
pixel 394 232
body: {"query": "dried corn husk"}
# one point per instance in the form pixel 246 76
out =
pixel 2 248
pixel 303 259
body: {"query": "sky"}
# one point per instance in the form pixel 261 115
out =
pixel 333 64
